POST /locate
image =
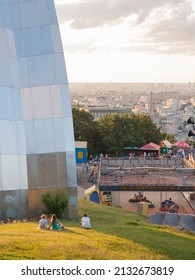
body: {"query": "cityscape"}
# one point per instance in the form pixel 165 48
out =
pixel 76 185
pixel 169 104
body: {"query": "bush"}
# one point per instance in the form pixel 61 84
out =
pixel 55 205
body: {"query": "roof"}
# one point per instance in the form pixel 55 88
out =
pixel 150 146
pixel 91 189
pixel 181 144
pixel 80 144
pixel 167 143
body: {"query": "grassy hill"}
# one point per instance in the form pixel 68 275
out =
pixel 116 234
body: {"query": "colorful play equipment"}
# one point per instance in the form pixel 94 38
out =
pixel 92 194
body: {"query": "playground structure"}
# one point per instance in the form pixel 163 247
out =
pixel 92 194
pixel 117 176
pixel 161 175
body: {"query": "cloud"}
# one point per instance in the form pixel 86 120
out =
pixel 163 26
pixel 96 13
pixel 174 31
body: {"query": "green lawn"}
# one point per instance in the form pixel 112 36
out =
pixel 116 234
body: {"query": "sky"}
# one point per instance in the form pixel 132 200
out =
pixel 133 41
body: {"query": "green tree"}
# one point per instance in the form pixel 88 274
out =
pixel 128 130
pixel 86 128
pixel 55 205
pixel 110 134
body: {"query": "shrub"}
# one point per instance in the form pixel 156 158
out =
pixel 56 204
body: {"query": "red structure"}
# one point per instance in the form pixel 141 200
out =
pixel 151 148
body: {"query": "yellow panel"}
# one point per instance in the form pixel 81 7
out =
pixel 80 154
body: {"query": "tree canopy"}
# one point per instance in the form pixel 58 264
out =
pixel 128 130
pixel 110 134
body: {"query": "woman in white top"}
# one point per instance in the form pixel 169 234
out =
pixel 85 222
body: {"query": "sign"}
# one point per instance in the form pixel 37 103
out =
pixel 129 188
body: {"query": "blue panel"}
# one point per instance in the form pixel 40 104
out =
pixel 15 15
pixel 17 104
pixel 94 197
pixel 52 12
pixel 56 39
pixel 7 139
pixel 50 60
pixel 5 75
pixel 27 103
pixel 37 70
pixel 46 37
pixel 60 69
pixel 12 140
pixel 43 12
pixel 30 137
pixel 14 72
pixel 69 135
pixel 33 41
pixel 3 43
pixel 6 103
pixel 59 135
pixel 84 158
pixel 6 15
pixel 11 49
pixel 66 103
pixel 28 12
pixel 1 18
pixel 23 72
pixel 19 139
pixel 56 68
pixel 19 42
pixel 44 136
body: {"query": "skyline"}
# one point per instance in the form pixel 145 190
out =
pixel 131 41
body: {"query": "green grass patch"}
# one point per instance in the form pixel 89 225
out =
pixel 116 234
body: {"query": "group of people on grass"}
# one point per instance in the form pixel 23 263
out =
pixel 55 224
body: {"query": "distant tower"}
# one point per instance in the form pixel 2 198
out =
pixel 151 105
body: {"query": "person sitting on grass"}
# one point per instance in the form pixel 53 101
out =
pixel 43 222
pixel 55 224
pixel 85 222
